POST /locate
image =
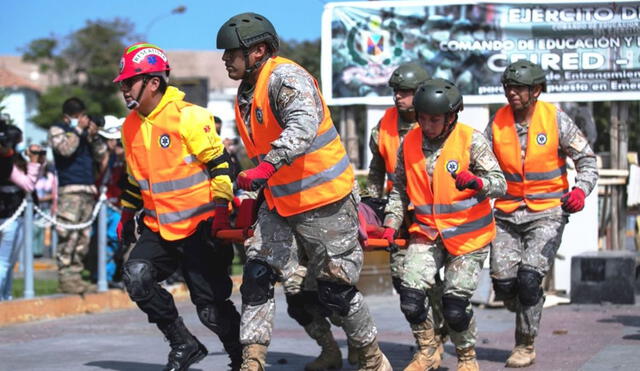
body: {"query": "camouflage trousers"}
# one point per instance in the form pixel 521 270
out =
pixel 423 260
pixel 434 302
pixel 328 236
pixel 532 245
pixel 73 245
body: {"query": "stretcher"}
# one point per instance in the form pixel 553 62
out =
pixel 246 216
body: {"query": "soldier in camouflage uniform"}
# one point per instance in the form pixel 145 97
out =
pixel 450 228
pixel 308 181
pixel 384 144
pixel 531 140
pixel 77 149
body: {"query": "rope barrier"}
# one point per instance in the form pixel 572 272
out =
pixel 52 220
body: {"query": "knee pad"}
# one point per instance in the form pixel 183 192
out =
pixel 454 310
pixel 336 297
pixel 219 318
pixel 257 283
pixel 139 277
pixel 506 288
pixel 296 308
pixel 412 305
pixel 529 289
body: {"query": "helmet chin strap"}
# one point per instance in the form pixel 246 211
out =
pixel 447 129
pixel 249 70
pixel 135 103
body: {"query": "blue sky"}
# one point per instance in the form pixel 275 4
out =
pixel 25 20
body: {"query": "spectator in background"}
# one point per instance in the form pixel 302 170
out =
pixel 76 150
pixel 111 178
pixel 46 188
pixel 12 191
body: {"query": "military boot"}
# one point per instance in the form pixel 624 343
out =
pixel 185 348
pixel 254 357
pixel 427 357
pixel 234 350
pixel 73 284
pixel 467 359
pixel 371 358
pixel 524 354
pixel 330 357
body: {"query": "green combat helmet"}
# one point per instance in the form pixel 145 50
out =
pixel 245 30
pixel 408 76
pixel 438 96
pixel 525 73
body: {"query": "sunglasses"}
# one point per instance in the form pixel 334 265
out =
pixel 127 84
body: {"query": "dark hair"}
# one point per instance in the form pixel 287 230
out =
pixel 97 119
pixel 163 84
pixel 73 106
pixel 217 120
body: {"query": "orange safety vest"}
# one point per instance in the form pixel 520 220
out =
pixel 175 189
pixel 463 219
pixel 541 179
pixel 389 143
pixel 321 176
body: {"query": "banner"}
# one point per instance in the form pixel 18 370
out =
pixel 590 50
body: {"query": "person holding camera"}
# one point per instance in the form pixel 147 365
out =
pixel 76 150
pixel 13 188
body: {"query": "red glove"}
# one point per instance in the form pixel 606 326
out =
pixel 253 179
pixel 465 179
pixel 573 201
pixel 125 224
pixel 221 220
pixel 389 234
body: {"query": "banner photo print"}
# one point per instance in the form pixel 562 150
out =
pixel 590 50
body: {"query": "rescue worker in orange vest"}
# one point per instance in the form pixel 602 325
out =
pixel 532 140
pixel 179 175
pixel 384 144
pixel 447 172
pixel 308 183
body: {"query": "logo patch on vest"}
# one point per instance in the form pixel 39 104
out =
pixel 452 166
pixel 165 141
pixel 259 115
pixel 541 139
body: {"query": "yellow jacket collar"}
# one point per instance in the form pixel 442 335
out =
pixel 171 95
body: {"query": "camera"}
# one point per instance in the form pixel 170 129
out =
pixel 9 135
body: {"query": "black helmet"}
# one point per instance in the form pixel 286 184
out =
pixel 437 96
pixel 408 76
pixel 245 30
pixel 525 73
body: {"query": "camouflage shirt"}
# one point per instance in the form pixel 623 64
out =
pixel 572 143
pixel 296 104
pixel 483 163
pixel 377 169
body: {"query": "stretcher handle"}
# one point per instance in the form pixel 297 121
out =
pixel 235 235
pixel 382 244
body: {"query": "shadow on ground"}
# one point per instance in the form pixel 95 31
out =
pixel 129 366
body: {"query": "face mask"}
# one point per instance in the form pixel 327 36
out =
pixel 73 122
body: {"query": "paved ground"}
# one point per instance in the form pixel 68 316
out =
pixel 573 337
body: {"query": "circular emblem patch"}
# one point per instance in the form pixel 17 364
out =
pixel 541 139
pixel 452 166
pixel 259 115
pixel 165 141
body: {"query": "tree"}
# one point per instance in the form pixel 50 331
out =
pixel 305 53
pixel 82 64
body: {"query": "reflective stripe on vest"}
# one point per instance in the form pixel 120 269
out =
pixel 319 177
pixel 540 180
pixel 176 194
pixel 463 219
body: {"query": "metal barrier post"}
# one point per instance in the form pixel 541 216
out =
pixel 28 249
pixel 102 248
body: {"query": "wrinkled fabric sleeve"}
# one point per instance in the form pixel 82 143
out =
pixel 485 165
pixel 575 145
pixel 398 198
pixel 198 132
pixel 63 143
pixel 298 107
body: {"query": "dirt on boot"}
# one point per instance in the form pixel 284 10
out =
pixel 427 356
pixel 254 357
pixel 467 359
pixel 371 358
pixel 330 357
